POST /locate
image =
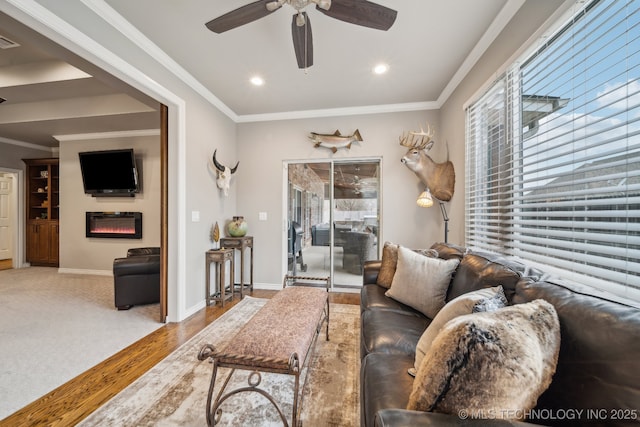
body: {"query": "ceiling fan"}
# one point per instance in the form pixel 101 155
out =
pixel 359 12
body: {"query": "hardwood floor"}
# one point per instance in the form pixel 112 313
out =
pixel 72 402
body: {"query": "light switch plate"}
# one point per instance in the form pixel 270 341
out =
pixel 262 216
pixel 195 216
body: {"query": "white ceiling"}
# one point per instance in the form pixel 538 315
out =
pixel 425 47
pixel 429 49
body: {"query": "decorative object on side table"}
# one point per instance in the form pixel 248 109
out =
pixel 237 227
pixel 215 235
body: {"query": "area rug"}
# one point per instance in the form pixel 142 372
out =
pixel 174 392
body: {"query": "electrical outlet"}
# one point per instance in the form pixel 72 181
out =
pixel 262 216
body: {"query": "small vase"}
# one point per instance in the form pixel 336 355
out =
pixel 237 227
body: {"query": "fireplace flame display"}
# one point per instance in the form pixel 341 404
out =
pixel 127 225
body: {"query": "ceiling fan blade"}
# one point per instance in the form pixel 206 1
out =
pixel 302 41
pixel 240 16
pixel 361 12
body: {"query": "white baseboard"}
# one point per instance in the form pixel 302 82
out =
pixel 85 271
pixel 193 310
pixel 268 286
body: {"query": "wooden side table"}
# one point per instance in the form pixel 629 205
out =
pixel 241 243
pixel 220 257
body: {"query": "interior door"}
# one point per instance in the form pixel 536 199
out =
pixel 333 212
pixel 6 242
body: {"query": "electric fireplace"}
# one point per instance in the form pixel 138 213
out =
pixel 118 225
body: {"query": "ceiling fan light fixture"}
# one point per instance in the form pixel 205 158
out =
pixel 323 4
pixel 300 21
pixel 274 5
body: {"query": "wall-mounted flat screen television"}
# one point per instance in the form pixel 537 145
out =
pixel 109 173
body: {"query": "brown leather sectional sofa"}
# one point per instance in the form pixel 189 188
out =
pixel 597 380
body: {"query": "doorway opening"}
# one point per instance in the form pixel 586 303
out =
pixel 10 224
pixel 333 217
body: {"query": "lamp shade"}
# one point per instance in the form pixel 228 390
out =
pixel 425 200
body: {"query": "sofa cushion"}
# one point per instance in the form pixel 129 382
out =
pixel 386 331
pixel 449 250
pixel 494 364
pixel 477 272
pixel 464 304
pixel 390 261
pixel 384 384
pixel 388 267
pixel 372 297
pixel 598 366
pixel 405 418
pixel 421 282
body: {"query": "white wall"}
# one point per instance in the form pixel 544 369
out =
pixel 263 148
pixel 77 252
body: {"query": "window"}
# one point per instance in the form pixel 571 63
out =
pixel 553 153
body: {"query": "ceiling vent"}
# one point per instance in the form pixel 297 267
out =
pixel 6 43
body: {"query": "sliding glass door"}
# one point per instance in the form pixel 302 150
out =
pixel 333 212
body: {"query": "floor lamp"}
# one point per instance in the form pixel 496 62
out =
pixel 425 200
pixel 445 217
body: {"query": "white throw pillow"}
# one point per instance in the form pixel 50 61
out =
pixel 464 304
pixel 421 282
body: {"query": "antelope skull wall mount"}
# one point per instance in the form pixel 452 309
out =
pixel 223 174
pixel 439 178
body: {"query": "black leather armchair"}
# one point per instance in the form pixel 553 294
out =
pixel 358 248
pixel 136 278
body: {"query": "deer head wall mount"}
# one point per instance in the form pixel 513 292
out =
pixel 439 178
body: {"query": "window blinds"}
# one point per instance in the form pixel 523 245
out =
pixel 553 152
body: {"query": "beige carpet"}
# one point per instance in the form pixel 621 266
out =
pixel 174 392
pixel 55 326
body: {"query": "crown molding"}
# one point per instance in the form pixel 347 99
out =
pixel 505 15
pixel 117 21
pixel 339 112
pixel 27 145
pixel 108 135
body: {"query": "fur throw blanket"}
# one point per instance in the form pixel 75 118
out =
pixel 490 365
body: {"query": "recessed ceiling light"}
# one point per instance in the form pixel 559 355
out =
pixel 380 68
pixel 257 81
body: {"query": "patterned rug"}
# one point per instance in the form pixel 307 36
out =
pixel 174 392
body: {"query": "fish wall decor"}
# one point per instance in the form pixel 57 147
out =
pixel 335 140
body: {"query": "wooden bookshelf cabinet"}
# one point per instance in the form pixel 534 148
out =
pixel 43 211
